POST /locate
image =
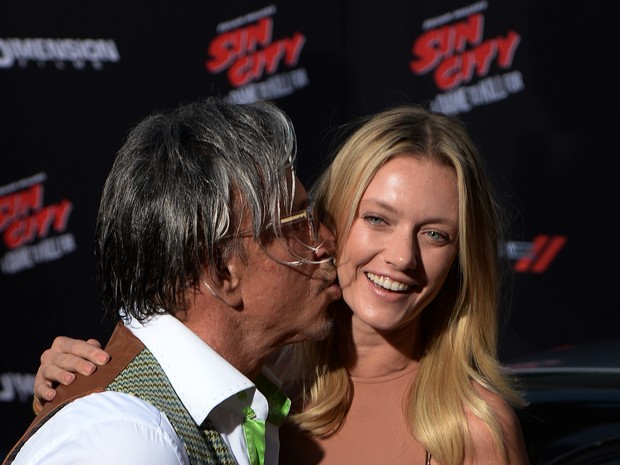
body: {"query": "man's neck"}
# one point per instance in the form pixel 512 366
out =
pixel 242 348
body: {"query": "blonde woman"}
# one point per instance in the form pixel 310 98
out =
pixel 410 375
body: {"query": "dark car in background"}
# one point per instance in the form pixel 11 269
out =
pixel 573 417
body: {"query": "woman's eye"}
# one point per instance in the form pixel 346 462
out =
pixel 374 220
pixel 438 237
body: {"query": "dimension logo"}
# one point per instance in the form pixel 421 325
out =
pixel 78 52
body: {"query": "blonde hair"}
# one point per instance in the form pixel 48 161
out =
pixel 459 328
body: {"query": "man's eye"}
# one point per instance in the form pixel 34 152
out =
pixel 297 225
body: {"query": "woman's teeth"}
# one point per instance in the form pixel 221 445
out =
pixel 387 283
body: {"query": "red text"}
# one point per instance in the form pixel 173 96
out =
pixel 250 52
pixel 456 52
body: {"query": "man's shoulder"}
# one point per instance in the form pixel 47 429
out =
pixel 100 425
pixel 109 405
pixel 100 408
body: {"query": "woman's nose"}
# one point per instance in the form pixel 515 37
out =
pixel 401 251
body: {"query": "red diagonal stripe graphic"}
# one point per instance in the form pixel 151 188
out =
pixel 549 254
pixel 524 264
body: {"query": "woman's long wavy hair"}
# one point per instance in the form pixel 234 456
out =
pixel 459 329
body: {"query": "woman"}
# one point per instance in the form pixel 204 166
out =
pixel 410 374
pixel 416 336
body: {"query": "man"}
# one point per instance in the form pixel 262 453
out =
pixel 209 253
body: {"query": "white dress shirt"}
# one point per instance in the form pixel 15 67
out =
pixel 114 427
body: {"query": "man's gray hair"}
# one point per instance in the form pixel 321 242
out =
pixel 182 182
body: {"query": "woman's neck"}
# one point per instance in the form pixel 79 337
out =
pixel 372 353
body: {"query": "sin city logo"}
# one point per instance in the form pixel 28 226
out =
pixel 248 53
pixel 32 232
pixel 23 218
pixel 455 52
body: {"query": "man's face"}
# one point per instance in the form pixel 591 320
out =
pixel 289 303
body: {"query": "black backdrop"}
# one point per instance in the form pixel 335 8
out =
pixel 534 80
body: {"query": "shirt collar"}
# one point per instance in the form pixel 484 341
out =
pixel 201 377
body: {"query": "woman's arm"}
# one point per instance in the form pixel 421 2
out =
pixel 65 357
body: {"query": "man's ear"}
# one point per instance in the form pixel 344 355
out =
pixel 225 283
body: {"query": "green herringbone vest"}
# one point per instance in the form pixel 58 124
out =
pixel 134 370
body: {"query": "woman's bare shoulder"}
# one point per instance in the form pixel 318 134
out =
pixel 486 451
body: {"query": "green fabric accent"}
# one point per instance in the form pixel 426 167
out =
pixel 254 432
pixel 144 378
pixel 279 404
pixel 253 429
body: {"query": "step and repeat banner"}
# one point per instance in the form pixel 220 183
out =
pixel 534 80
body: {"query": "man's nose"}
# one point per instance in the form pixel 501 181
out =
pixel 327 242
